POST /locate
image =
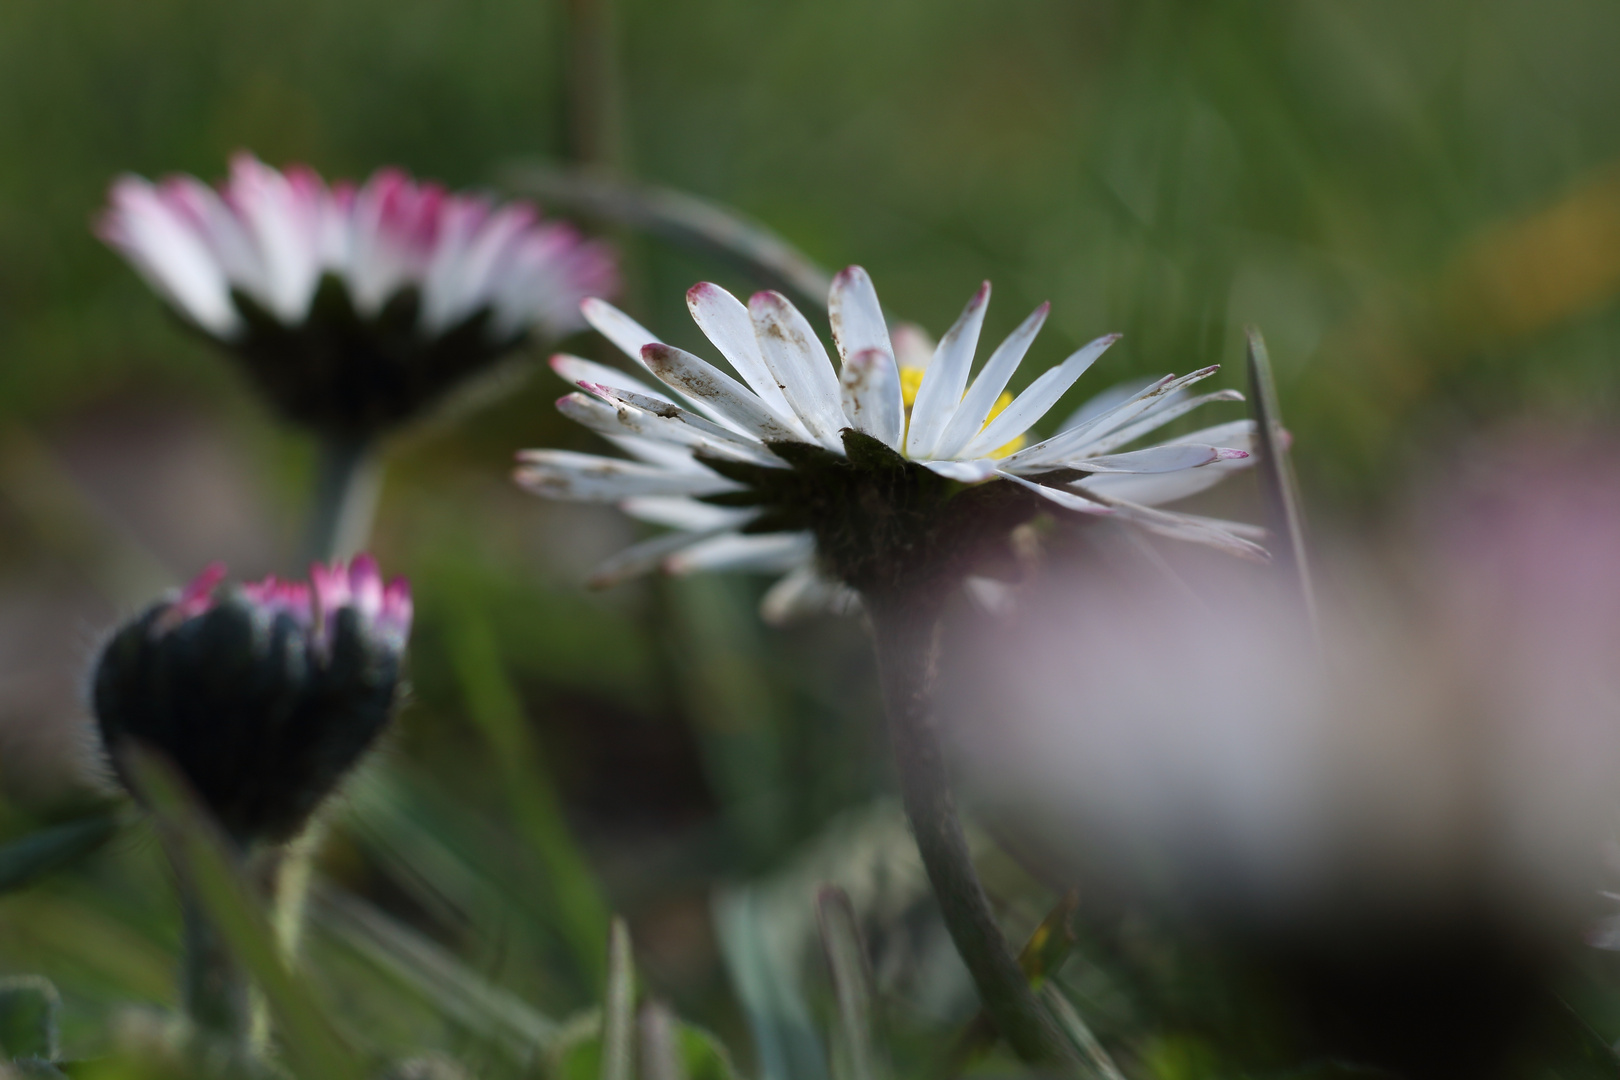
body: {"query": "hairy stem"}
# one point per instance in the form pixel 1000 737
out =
pixel 214 989
pixel 907 638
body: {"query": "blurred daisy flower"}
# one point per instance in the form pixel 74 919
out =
pixel 353 307
pixel 1402 832
pixel 891 467
pixel 265 694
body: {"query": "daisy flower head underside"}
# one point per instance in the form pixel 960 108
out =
pixel 264 694
pixel 893 467
pixel 353 306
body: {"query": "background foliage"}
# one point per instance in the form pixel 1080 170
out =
pixel 1419 204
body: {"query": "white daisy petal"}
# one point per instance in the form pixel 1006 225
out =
pixel 617 327
pixel 1101 403
pixel 725 321
pixel 793 596
pixel 767 552
pixel 1238 433
pixel 1036 399
pixel 1061 447
pixel 742 446
pixel 725 396
pixel 1156 418
pixel 1171 457
pixel 283 220
pixel 1246 530
pixel 665 455
pixel 1152 489
pixel 170 255
pixel 856 315
pixel 967 472
pixel 1199 530
pixel 621 417
pixel 941 391
pixel 993 597
pixel 987 387
pixel 563 474
pixel 805 591
pixel 672 411
pixel 798 362
pixel 1066 499
pixel 576 371
pixel 870 389
pixel 273 234
pixel 649 555
pixel 689 514
pixel 1046 453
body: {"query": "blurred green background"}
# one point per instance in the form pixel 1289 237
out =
pixel 1418 203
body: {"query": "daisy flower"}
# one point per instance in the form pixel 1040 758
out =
pixel 848 478
pixel 265 694
pixel 353 307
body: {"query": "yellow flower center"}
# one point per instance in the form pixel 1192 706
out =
pixel 911 381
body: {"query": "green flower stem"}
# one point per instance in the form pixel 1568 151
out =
pixel 348 482
pixel 292 871
pixel 214 988
pixel 907 638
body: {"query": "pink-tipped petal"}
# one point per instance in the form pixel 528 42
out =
pixel 856 315
pixel 870 384
pixel 397 608
pixel 365 586
pixel 273 233
pixel 798 362
pixel 198 595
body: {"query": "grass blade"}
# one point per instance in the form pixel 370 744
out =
pixel 765 981
pixel 495 707
pixel 660 1052
pixel 1068 1019
pixel 312 1045
pixel 437 976
pixel 1278 488
pixel 856 1056
pixel 31 857
pixel 680 218
pixel 618 1009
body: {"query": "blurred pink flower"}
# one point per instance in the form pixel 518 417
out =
pixel 1398 839
pixel 1458 736
pixel 433 284
pixel 273 234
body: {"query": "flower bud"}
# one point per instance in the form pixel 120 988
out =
pixel 263 695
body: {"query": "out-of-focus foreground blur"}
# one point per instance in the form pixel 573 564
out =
pixel 1419 204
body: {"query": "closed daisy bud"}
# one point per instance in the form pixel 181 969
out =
pixel 263 695
pixel 353 308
